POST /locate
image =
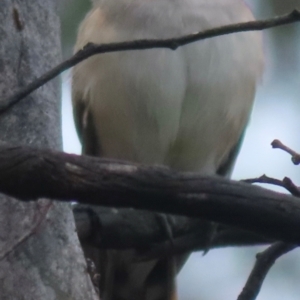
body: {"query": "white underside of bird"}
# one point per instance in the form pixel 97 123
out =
pixel 185 109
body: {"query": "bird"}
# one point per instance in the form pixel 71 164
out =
pixel 185 109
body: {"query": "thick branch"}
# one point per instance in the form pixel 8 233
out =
pixel 172 43
pixel 110 228
pixel 28 174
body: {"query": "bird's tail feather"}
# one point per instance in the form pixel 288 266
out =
pixel 123 278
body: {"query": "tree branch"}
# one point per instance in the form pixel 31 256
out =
pixel 28 174
pixel 276 144
pixel 264 261
pixel 171 43
pixel 286 183
pixel 110 228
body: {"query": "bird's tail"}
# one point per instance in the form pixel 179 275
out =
pixel 122 277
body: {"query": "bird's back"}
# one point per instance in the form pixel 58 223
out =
pixel 152 106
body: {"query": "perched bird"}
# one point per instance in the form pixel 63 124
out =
pixel 186 109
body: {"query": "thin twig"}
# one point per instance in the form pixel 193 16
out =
pixel 266 259
pixel 286 183
pixel 264 262
pixel 277 144
pixel 171 43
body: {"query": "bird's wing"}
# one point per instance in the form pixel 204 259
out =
pixel 85 126
pixel 226 168
pixel 120 275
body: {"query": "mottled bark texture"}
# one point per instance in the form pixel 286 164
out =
pixel 40 256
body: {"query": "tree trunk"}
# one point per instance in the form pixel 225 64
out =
pixel 40 256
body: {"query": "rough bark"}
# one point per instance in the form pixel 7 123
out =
pixel 40 253
pixel 29 173
pixel 111 228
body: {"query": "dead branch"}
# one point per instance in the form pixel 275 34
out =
pixel 28 174
pixel 276 144
pixel 264 261
pixel 285 183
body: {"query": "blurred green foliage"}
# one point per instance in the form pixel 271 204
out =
pixel 71 14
